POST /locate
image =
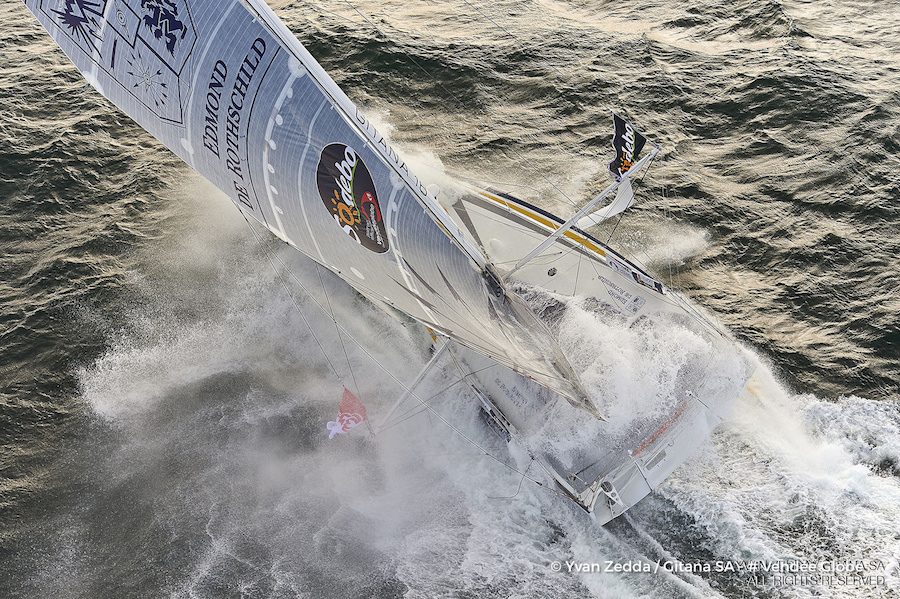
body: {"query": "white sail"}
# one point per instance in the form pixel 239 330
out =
pixel 224 85
pixel 623 201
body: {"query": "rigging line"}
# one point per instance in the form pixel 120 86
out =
pixel 552 67
pixel 506 31
pixel 416 410
pixel 647 168
pixel 385 369
pixel 504 184
pixel 485 124
pixel 291 296
pixel 340 337
pixel 540 463
pixel 577 246
pixel 358 344
pixel 616 226
pixel 533 459
pixel 464 378
pixel 673 201
pixel 519 488
pixel 365 18
pixel 343 348
pixel 581 258
pixel 322 308
pixel 556 255
pixel 668 219
pixel 482 449
pixel 375 27
pixel 423 374
pixel 622 214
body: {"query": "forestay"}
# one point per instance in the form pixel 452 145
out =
pixel 224 85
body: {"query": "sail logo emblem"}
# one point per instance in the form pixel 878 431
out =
pixel 80 17
pixel 148 78
pixel 161 19
pixel 143 45
pixel 348 192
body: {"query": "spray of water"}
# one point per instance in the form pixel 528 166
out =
pixel 217 412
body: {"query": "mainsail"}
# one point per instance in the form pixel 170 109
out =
pixel 224 85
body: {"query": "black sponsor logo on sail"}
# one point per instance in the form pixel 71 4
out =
pixel 347 189
pixel 161 18
pixel 628 143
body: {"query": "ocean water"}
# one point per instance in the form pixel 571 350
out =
pixel 163 404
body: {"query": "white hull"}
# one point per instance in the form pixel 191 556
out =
pixel 615 472
pixel 621 464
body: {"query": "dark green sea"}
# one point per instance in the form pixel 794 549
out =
pixel 163 405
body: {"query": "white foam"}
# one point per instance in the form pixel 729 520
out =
pixel 222 419
pixel 422 162
pixel 780 481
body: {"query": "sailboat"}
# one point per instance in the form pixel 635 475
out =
pixel 228 88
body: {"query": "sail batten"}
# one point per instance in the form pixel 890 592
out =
pixel 228 88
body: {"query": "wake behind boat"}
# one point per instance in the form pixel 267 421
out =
pixel 228 88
